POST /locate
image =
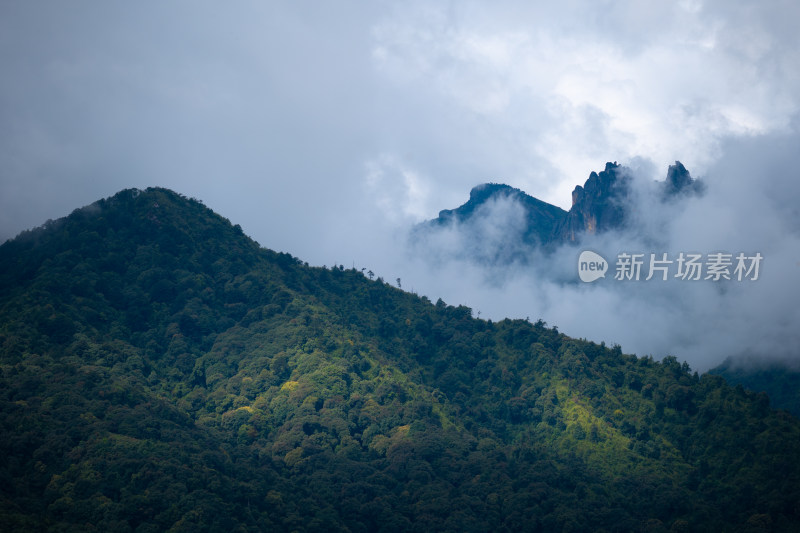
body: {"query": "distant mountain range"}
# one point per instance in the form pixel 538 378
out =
pixel 160 371
pixel 603 203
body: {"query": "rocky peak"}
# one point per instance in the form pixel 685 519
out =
pixel 601 204
pixel 484 191
pixel 680 182
pixel 597 206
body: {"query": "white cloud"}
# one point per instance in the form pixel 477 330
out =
pixel 399 192
pixel 702 322
pixel 623 81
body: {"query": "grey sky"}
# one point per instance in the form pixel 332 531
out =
pixel 326 129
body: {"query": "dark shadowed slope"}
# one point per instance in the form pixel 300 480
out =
pixel 778 379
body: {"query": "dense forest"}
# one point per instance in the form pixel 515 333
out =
pixel 160 371
pixel 779 379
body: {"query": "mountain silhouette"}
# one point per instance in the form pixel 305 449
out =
pixel 604 203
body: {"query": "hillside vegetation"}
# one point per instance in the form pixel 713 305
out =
pixel 160 371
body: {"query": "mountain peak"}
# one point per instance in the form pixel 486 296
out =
pixel 602 203
pixel 484 191
pixel 536 227
pixel 680 182
pixel 478 196
pixel 158 219
pixel 677 175
pixel 596 206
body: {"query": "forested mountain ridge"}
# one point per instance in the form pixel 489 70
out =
pixel 779 379
pixel 161 371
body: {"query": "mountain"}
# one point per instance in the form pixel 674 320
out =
pixel 540 217
pixel 680 183
pixel 779 380
pixel 605 202
pixel 598 206
pixel 160 371
pixel 498 225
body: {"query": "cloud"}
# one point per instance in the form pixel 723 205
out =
pixel 599 81
pixel 703 321
pixel 400 192
pixel 326 132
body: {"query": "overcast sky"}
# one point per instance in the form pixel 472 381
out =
pixel 326 129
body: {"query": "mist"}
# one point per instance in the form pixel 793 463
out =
pixel 747 207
